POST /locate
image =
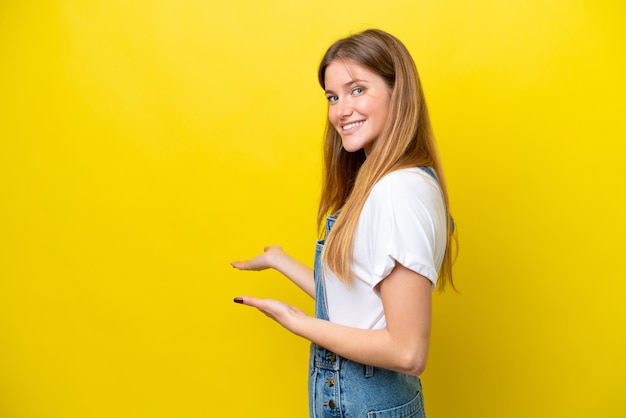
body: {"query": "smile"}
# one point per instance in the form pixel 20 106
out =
pixel 352 125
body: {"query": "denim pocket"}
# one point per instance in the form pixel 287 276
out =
pixel 412 409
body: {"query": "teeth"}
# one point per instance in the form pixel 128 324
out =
pixel 352 125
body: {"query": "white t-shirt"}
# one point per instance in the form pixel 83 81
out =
pixel 403 220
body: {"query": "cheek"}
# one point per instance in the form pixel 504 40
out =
pixel 384 111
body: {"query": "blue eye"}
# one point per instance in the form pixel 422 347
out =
pixel 332 99
pixel 357 90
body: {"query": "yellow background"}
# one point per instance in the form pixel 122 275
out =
pixel 144 145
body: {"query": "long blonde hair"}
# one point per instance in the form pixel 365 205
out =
pixel 406 141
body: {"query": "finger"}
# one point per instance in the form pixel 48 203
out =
pixel 242 265
pixel 238 264
pixel 264 305
pixel 247 300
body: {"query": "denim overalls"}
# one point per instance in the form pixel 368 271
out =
pixel 339 387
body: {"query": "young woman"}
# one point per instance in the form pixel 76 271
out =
pixel 387 237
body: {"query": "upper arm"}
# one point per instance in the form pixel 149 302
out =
pixel 405 220
pixel 407 302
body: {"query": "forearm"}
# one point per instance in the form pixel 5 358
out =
pixel 300 274
pixel 379 348
pixel 403 344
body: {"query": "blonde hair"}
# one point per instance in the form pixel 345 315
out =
pixel 406 141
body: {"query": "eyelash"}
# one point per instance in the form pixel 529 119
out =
pixel 355 91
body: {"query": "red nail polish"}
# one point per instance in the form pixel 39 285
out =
pixel 238 300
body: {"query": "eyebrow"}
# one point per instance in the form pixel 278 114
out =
pixel 349 83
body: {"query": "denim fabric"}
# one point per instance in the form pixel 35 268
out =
pixel 341 388
pixel 431 172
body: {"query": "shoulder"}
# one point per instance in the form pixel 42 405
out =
pixel 403 221
pixel 407 183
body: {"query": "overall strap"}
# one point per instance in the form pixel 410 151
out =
pixel 321 306
pixel 431 172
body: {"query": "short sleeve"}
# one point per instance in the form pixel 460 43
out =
pixel 402 221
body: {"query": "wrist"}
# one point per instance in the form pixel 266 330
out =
pixel 279 259
pixel 300 325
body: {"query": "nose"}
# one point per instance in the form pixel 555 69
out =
pixel 343 108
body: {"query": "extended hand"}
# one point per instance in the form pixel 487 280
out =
pixel 268 259
pixel 283 313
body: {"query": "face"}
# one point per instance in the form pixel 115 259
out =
pixel 358 103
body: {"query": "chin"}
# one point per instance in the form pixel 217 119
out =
pixel 348 147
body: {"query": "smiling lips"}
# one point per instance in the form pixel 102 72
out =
pixel 352 125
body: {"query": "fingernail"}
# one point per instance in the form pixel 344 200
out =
pixel 238 300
